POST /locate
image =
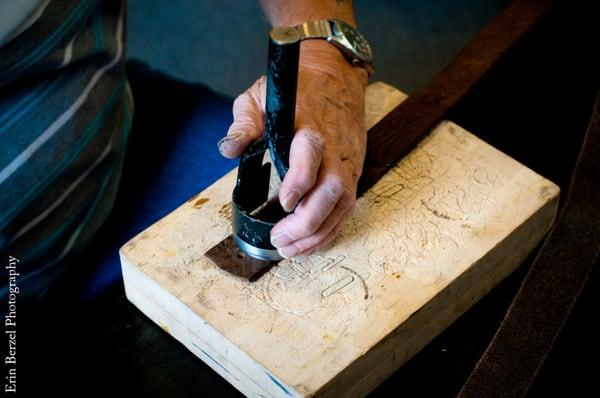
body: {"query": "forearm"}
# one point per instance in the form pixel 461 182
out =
pixel 293 12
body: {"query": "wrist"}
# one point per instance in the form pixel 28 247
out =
pixel 323 57
pixel 291 13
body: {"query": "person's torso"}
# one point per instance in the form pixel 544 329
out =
pixel 65 112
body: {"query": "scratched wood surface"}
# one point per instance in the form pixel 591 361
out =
pixel 435 234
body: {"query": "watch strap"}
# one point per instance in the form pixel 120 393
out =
pixel 322 29
pixel 319 29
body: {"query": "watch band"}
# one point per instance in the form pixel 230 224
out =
pixel 322 29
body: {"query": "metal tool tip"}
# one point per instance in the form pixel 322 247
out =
pixel 285 35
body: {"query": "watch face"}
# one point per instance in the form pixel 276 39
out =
pixel 356 40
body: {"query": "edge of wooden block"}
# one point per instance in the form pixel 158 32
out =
pixel 380 360
pixel 244 373
pixel 481 280
pixel 195 335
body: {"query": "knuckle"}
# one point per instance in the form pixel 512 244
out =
pixel 309 225
pixel 306 244
pixel 334 188
pixel 237 101
pixel 304 178
pixel 314 242
pixel 297 247
pixel 241 101
pixel 314 141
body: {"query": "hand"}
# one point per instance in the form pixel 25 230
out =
pixel 327 151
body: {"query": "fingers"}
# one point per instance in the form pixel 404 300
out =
pixel 326 156
pixel 314 218
pixel 248 125
pixel 306 153
pixel 330 236
pixel 328 230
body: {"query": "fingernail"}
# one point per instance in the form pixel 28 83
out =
pixel 290 200
pixel 230 139
pixel 286 252
pixel 280 239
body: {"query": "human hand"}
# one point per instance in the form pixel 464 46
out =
pixel 327 151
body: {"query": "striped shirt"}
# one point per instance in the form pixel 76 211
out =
pixel 65 112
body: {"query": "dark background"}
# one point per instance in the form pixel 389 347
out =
pixel 223 43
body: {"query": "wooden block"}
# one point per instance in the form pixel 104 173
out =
pixel 434 235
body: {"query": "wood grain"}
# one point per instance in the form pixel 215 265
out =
pixel 429 239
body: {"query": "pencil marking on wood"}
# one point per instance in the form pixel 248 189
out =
pixel 434 211
pixel 362 280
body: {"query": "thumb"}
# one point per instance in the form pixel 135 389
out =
pixel 248 123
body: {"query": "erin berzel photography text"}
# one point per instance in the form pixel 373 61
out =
pixel 10 327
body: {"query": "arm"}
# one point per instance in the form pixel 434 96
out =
pixel 294 12
pixel 328 148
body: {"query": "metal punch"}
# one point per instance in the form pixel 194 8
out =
pixel 253 217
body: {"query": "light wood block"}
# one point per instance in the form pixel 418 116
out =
pixel 433 236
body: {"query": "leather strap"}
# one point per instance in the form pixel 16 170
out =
pixel 548 293
pixel 396 134
pixel 552 286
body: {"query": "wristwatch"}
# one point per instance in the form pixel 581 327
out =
pixel 342 35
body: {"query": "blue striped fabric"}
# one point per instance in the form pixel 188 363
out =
pixel 65 113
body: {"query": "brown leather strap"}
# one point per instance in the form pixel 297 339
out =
pixel 396 134
pixel 552 286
